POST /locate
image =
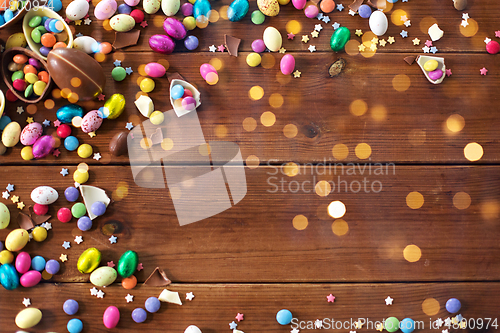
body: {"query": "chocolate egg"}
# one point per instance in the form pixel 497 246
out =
pixel 161 44
pixel 170 7
pixel 65 64
pixel 460 4
pixel 11 134
pixel 118 144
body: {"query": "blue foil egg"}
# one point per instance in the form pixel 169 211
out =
pixel 66 113
pixel 237 10
pixel 9 277
pixel 201 7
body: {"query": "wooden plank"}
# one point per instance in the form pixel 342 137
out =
pixel 413 130
pixel 255 241
pixel 215 306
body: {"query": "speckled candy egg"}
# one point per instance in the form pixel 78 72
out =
pixel 132 3
pixel 151 6
pixel 4 216
pixel 103 276
pixel 105 9
pixel 170 7
pixel 269 7
pixel 122 22
pixel 155 69
pixel 272 39
pixel 77 10
pixel 91 122
pixel 174 28
pixel 43 146
pixel 299 4
pixel 31 133
pixel 161 44
pixel 16 240
pixel 44 195
pixel 10 134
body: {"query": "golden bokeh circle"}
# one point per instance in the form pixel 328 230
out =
pixel 268 118
pixel 363 151
pixel 249 124
pixel 167 144
pixel 340 151
pixel 461 200
pixel 220 131
pixel 255 93
pixel 430 306
pixel 276 100
pixel 99 57
pixel 216 63
pixel 414 200
pixel 56 93
pixel 352 47
pixel 368 36
pixel 358 107
pixel 396 17
pixel 401 82
pixel 204 149
pixel 146 143
pixel 75 82
pixel 378 112
pixel 490 210
pixel 290 169
pixel 83 167
pixel 300 222
pixel 223 12
pixel 142 70
pixel 417 137
pixel 455 123
pixel 283 79
pixel 267 61
pixel 252 161
pixel 426 23
pixel 471 29
pixel 31 108
pixel 473 151
pixel 412 253
pixel 158 21
pixel 340 227
pixel 323 188
pixel 290 131
pixel 164 63
pixel 49 104
pixel 213 16
pixel 293 27
pixel 336 209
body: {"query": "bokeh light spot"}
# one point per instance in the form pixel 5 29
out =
pixel 220 131
pixel 336 209
pixel 358 107
pixel 276 100
pixel 415 200
pixel 293 27
pixel 417 137
pixel 252 161
pixel 267 61
pixel 471 29
pixel 249 124
pixel 401 82
pixel 473 151
pixel 323 188
pixel 412 253
pixel 255 93
pixel 290 169
pixel 290 131
pixel 340 227
pixel 340 151
pixel 461 200
pixel 268 118
pixel 396 17
pixel 455 123
pixel 363 151
pixel 300 222
pixel 430 306
pixel 378 113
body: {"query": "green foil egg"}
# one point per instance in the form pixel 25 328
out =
pixel 114 106
pixel 89 260
pixel 127 264
pixel 339 38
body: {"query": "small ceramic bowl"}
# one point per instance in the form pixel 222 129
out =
pixel 20 13
pixel 180 111
pixel 2 103
pixel 43 11
pixel 421 60
pixel 7 58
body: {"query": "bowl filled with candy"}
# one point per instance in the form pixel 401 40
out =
pixel 12 11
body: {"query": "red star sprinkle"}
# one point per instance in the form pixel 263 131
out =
pixel 144 24
pixel 111 264
pixel 497 33
pixel 483 71
pixel 139 267
pixel 221 48
pixel 101 97
pixel 330 298
pixel 291 36
pixel 56 152
pixel 448 72
pixel 239 317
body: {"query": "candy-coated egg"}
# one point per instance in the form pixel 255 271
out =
pixel 23 262
pixel 16 240
pixel 170 7
pixel 114 106
pixel 122 22
pixel 16 40
pixel 11 134
pixel 299 4
pixel 192 329
pixel 86 44
pixel 30 279
pixel 151 6
pixel 105 9
pixel 460 4
pixel 91 122
pixel 201 7
pixel 492 47
pixel 189 23
pixel 137 15
pixel 157 118
pixel 66 113
pixel 272 39
pixel 4 216
pixel 174 28
pixel 161 44
pixel 287 64
pixel 132 3
pixel 155 69
pixel 28 318
pixel 268 7
pixel 111 317
pixel 89 260
pixel 81 177
pixel 237 10
pixel 103 276
pixel 44 195
pixel 43 146
pixel 206 68
pixel 31 133
pixel 6 257
pixel 431 65
pixel 127 264
pixel 77 9
pixel 436 74
pixel 258 46
pixel 147 85
pixel 378 23
pixel 339 38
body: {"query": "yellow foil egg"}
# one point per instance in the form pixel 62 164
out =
pixel 114 106
pixel 89 260
pixel 16 240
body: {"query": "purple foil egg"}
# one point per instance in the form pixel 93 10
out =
pixel 174 28
pixel 435 74
pixel 161 44
pixel 43 146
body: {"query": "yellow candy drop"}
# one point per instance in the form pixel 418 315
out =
pixel 253 59
pixel 85 150
pixel 189 23
pixel 39 87
pixel 27 153
pixel 157 117
pixel 39 234
pixel 81 177
pixel 431 65
pixel 147 85
pixel 31 78
pixel 6 257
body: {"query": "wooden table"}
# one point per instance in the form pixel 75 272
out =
pixel 250 259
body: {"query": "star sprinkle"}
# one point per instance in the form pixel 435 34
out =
pixel 57 123
pixel 428 43
pixel 92 134
pixel 5 195
pixel 29 120
pixel 97 156
pixel 330 298
pixel 438 322
pixel 320 16
pixel 212 48
pixel 416 41
pixel 444 331
pixel 294 331
pixel 128 70
pixel 312 48
pixel 336 25
pixel 129 298
pixel 388 300
pixel 318 27
pixel 391 40
pixel 101 97
pixel 464 23
pixel 297 73
pixel 404 18
pixel 380 327
pixel 139 267
pixel 426 49
pixel 290 36
pixel 352 12
pixel 93 291
pixel 27 302
pixel 407 23
pixel 318 323
pixel 111 264
pixel 79 34
pixel 487 40
pixel 189 296
pixel 112 239
pixel 144 24
pixel 15 199
pixel 233 325
pixel 129 126
pixel 78 22
pixel 447 322
pixel 462 324
pixel 358 324
pixel 87 21
pixel 100 294
pixel 448 72
pixel 20 205
pixel 56 152
pixel 483 71
pixel 340 7
pixel 221 48
pixel 404 33
pixel 315 34
pixel 77 185
pixel 434 50
pixel 282 50
pixel 373 47
pixel 359 32
pixel 382 42
pixel 374 40
pixel 47 225
pixel 46 123
pixel 465 16
pixel 117 63
pixel 64 258
pixel 361 47
pixel 239 317
pixel 20 109
pixel 64 172
pixel 305 38
pixel 326 19
pixel 66 245
pixel 10 187
pixel 497 33
pixel 78 239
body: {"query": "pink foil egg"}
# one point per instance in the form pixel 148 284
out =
pixel 205 69
pixel 174 28
pixel 155 69
pixel 23 262
pixel 287 64
pixel 30 279
pixel 31 133
pixel 111 317
pixel 91 121
pixel 161 44
pixel 43 146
